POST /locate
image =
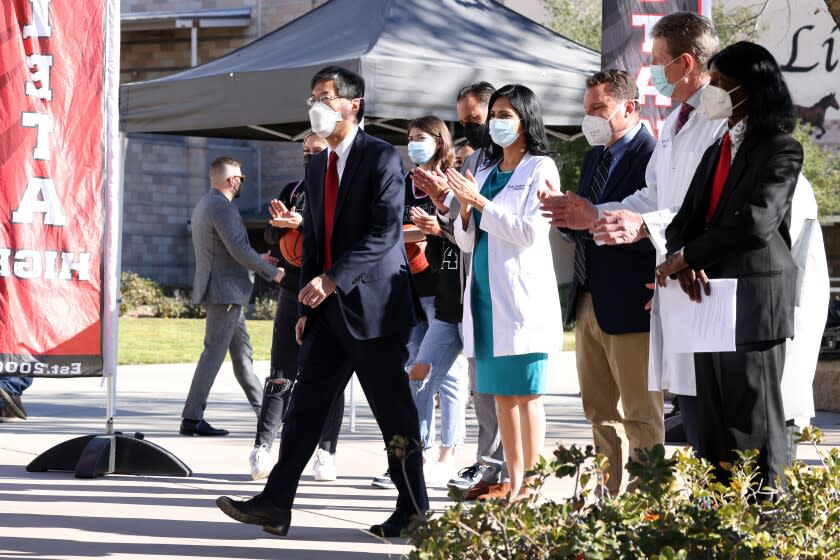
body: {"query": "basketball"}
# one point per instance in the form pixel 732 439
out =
pixel 417 262
pixel 291 247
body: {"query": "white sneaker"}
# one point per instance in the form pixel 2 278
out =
pixel 261 463
pixel 437 474
pixel 324 468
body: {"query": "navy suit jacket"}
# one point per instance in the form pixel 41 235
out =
pixel 617 273
pixel 369 267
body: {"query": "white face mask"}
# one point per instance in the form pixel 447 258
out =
pixel 322 119
pixel 716 102
pixel 597 129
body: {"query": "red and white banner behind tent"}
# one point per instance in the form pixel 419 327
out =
pixel 626 43
pixel 56 144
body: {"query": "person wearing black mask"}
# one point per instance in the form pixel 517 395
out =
pixel 286 219
pixel 487 477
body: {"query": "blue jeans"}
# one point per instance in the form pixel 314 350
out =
pixel 439 346
pixel 15 386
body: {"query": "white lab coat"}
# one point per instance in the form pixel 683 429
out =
pixel 526 305
pixel 812 296
pixel 668 176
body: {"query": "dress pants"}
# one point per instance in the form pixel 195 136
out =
pixel 284 365
pixel 328 356
pixel 224 329
pixel 613 375
pixel 490 451
pixel 739 397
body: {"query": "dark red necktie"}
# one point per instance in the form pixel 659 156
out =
pixel 682 117
pixel 330 198
pixel 721 173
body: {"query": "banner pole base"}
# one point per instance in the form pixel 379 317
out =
pixel 117 453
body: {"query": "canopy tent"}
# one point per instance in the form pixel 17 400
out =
pixel 413 54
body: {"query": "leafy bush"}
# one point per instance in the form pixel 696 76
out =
pixel 171 308
pixel 264 308
pixel 136 291
pixel 679 511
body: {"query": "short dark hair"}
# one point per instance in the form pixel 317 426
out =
pixel 770 106
pixel 348 85
pixel 687 32
pixel 218 165
pixel 620 84
pixel 480 90
pixel 527 106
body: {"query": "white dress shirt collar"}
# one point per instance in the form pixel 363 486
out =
pixel 343 150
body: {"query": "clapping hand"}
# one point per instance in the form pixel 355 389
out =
pixel 567 211
pixel 433 183
pixel 424 221
pixel 465 188
pixel 282 217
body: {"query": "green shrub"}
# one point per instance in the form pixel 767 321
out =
pixel 264 308
pixel 136 291
pixel 170 307
pixel 679 511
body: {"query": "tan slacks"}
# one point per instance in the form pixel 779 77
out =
pixel 612 370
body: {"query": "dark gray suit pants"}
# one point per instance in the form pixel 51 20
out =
pixel 224 329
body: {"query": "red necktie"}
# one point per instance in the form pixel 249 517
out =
pixel 721 173
pixel 330 197
pixel 682 118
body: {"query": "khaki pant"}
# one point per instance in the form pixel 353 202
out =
pixel 612 370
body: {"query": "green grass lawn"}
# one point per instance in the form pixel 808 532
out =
pixel 175 341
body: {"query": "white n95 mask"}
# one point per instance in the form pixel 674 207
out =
pixel 322 119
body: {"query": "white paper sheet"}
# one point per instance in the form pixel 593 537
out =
pixel 708 326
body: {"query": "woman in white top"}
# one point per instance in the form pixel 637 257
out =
pixel 512 318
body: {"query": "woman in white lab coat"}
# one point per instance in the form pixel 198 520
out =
pixel 512 318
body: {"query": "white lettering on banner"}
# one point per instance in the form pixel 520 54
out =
pixel 41 17
pixel 5 253
pixel 44 126
pixel 29 264
pixel 646 21
pixel 82 266
pixel 49 205
pixel 40 67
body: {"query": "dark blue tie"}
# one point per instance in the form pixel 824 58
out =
pixel 596 188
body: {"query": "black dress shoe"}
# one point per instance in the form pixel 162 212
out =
pixel 200 428
pixel 257 511
pixel 395 525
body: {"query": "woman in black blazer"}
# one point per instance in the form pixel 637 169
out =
pixel 734 223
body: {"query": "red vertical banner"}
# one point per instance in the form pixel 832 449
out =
pixel 52 214
pixel 626 44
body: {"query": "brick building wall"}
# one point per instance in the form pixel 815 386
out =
pixel 166 175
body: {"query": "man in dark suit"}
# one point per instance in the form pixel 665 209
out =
pixel 357 305
pixel 608 293
pixel 224 261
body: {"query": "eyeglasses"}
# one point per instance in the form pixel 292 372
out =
pixel 240 177
pixel 312 100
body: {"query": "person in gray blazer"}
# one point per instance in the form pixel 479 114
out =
pixel 224 278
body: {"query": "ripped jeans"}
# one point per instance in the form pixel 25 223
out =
pixel 440 347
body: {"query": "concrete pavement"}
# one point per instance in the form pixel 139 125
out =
pixel 54 515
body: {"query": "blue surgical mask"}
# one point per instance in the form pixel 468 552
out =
pixel 660 82
pixel 502 132
pixel 421 152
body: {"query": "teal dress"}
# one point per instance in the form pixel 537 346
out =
pixel 522 374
